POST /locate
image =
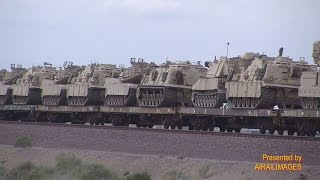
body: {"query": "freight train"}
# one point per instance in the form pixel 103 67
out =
pixel 229 93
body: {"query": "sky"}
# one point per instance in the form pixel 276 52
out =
pixel 113 31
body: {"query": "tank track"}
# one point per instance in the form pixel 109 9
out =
pixel 212 99
pixel 157 96
pixel 77 100
pixel 265 101
pixel 310 103
pixel 55 100
pixel 121 100
pixel 94 97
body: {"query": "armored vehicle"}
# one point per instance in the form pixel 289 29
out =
pixel 267 82
pixel 309 89
pixel 88 88
pixel 7 80
pixel 54 91
pixel 122 91
pixel 169 85
pixel 210 91
pixel 28 88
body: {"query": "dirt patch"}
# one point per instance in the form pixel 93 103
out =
pixel 159 166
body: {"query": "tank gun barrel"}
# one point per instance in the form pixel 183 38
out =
pixel 280 51
pixel 316 52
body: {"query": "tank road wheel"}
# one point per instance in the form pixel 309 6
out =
pixel 239 102
pixel 315 103
pixel 233 102
pixel 252 102
pixel 229 130
pixel 247 101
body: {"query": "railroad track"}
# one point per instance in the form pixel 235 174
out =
pixel 205 133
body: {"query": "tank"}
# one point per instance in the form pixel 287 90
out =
pixel 122 91
pixel 267 82
pixel 88 88
pixel 54 92
pixel 309 90
pixel 7 80
pixel 169 84
pixel 210 91
pixel 28 88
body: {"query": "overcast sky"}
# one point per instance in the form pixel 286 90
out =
pixel 113 31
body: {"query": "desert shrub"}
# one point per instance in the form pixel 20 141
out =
pixel 96 172
pixel 2 171
pixel 68 163
pixel 173 175
pixel 139 176
pixel 23 142
pixel 28 171
pixel 203 171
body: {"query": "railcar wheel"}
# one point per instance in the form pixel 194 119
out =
pixel 311 133
pixel 229 130
pixel 262 131
pixel 291 132
pixel 166 125
pixel 271 131
pixel 280 131
pixel 222 129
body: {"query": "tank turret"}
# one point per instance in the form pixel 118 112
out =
pixel 210 91
pixel 54 90
pixel 267 82
pixel 28 88
pixel 122 91
pixel 88 88
pixel 169 85
pixel 8 79
pixel 309 90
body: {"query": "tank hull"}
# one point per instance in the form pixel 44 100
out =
pixel 26 94
pixel 82 94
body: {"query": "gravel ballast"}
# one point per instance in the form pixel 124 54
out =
pixel 163 144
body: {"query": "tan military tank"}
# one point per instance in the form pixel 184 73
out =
pixel 210 91
pixel 169 85
pixel 88 88
pixel 309 89
pixel 28 88
pixel 54 91
pixel 7 80
pixel 122 91
pixel 267 82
